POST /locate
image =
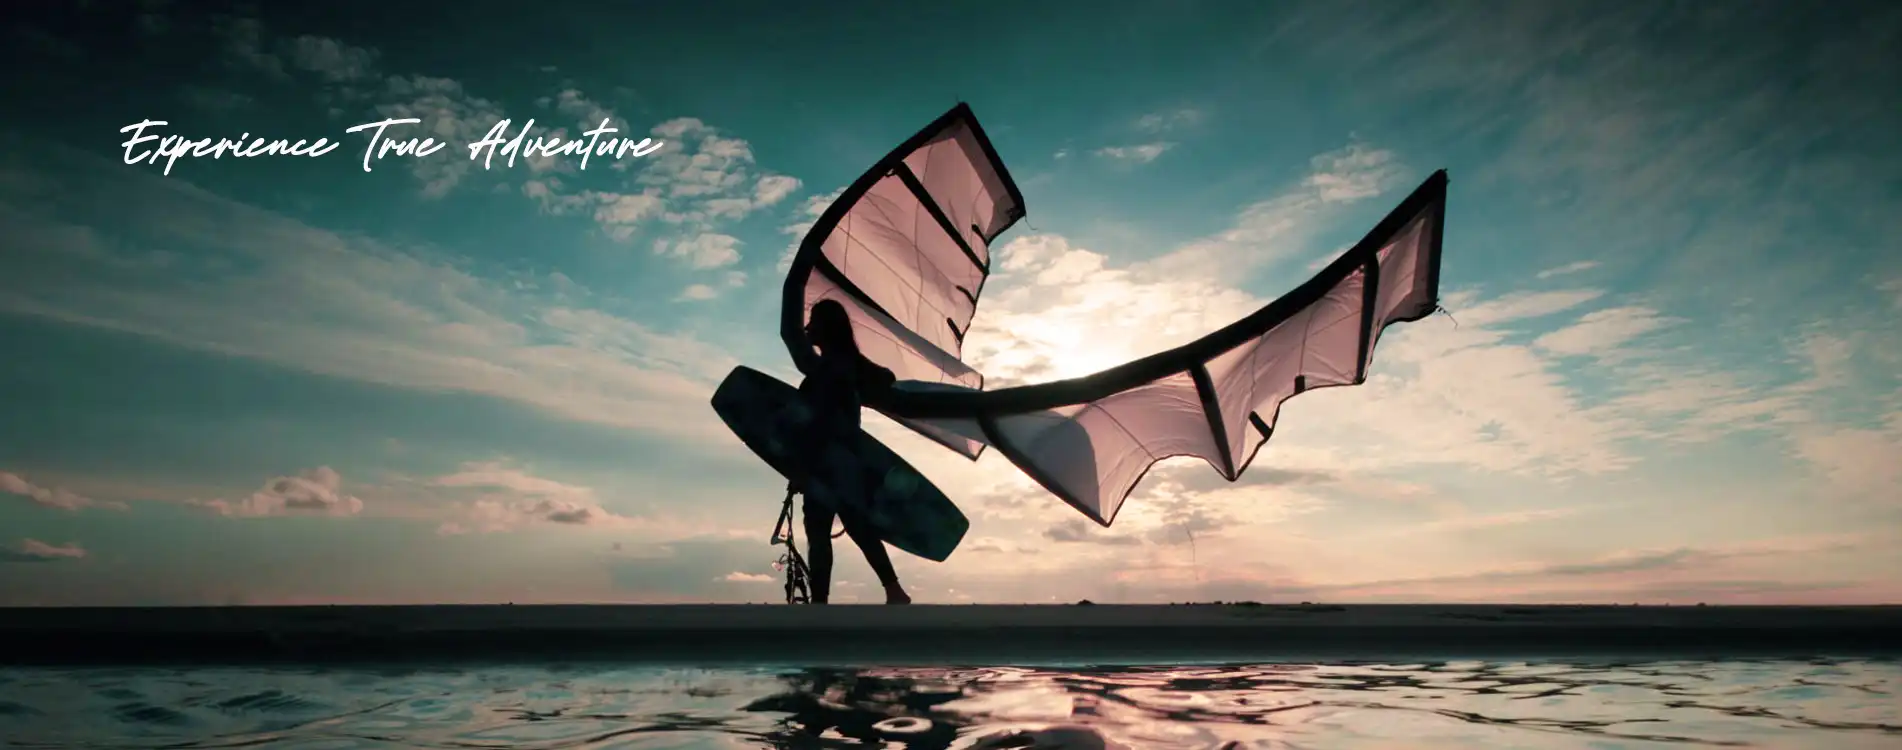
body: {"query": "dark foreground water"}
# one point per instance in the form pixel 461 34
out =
pixel 1830 705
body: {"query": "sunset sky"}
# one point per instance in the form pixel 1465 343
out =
pixel 1668 372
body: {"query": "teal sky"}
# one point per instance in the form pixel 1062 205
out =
pixel 1671 267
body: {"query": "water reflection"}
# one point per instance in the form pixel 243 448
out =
pixel 1832 704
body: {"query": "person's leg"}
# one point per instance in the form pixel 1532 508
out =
pixel 818 549
pixel 876 556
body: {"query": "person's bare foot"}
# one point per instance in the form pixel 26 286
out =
pixel 897 596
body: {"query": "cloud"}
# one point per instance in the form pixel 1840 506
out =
pixel 1162 122
pixel 773 188
pixel 1861 462
pixel 1602 332
pixel 620 215
pixel 50 497
pixel 316 492
pixel 1284 560
pixel 1488 390
pixel 1475 522
pixel 336 305
pixel 448 113
pixel 1730 572
pixel 1592 150
pixel 1734 359
pixel 705 292
pixel 578 106
pixel 1054 310
pixel 1173 514
pixel 984 545
pixel 1518 389
pixel 1075 530
pixel 1155 123
pixel 490 496
pixel 245 45
pixel 688 569
pixel 1894 288
pixel 1276 228
pixel 216 100
pixel 708 176
pixel 702 251
pixel 1353 173
pixel 333 60
pixel 1138 154
pixel 479 497
pixel 698 179
pixel 804 217
pixel 33 550
pixel 1569 268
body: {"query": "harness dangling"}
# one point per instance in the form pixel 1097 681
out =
pixel 797 589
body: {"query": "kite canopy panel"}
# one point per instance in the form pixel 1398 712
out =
pixel 906 249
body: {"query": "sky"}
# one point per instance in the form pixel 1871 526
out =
pixel 1667 372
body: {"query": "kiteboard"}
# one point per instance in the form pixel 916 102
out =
pixel 901 505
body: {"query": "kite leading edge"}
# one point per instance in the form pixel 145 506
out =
pixel 906 250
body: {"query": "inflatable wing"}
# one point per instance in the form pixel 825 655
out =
pixel 906 249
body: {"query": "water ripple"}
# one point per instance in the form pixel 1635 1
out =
pixel 1468 705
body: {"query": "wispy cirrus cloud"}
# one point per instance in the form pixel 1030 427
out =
pixel 1569 268
pixel 51 497
pixel 1168 120
pixel 343 306
pixel 1154 124
pixel 1603 332
pixel 1587 137
pixel 1136 154
pixel 36 551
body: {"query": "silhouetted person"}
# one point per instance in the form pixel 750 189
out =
pixel 837 381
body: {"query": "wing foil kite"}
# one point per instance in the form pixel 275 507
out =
pixel 906 249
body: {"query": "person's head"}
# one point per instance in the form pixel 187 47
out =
pixel 830 329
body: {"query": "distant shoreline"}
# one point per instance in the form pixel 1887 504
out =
pixel 932 634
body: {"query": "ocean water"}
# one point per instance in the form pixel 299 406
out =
pixel 1824 704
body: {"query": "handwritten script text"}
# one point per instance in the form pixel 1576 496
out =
pixel 144 147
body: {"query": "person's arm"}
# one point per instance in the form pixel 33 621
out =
pixel 874 381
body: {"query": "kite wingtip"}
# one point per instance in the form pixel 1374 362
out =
pixel 1441 309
